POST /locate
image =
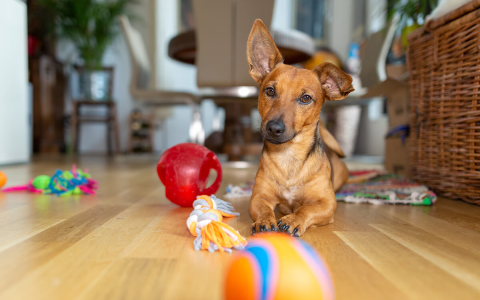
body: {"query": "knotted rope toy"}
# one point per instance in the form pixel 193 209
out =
pixel 205 222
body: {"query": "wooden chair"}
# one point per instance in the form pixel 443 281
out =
pixel 110 118
pixel 153 98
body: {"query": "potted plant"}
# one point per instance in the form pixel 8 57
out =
pixel 91 26
pixel 412 14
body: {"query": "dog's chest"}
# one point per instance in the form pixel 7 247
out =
pixel 291 193
pixel 290 175
pixel 289 181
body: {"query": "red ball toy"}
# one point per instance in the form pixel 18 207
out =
pixel 184 170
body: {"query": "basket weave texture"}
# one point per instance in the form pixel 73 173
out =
pixel 444 65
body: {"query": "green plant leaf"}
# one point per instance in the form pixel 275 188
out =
pixel 91 25
pixel 414 10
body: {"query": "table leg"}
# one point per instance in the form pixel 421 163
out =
pixel 116 136
pixel 237 134
pixel 74 128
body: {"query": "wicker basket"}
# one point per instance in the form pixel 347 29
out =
pixel 444 64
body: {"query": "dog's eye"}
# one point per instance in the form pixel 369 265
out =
pixel 270 91
pixel 306 99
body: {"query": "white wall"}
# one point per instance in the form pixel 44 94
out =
pixel 14 123
pixel 283 15
pixel 376 11
pixel 341 26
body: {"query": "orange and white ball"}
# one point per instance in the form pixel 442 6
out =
pixel 279 267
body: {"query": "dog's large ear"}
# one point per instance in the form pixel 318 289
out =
pixel 262 54
pixel 336 84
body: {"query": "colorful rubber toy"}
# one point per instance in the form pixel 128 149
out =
pixel 277 266
pixel 205 222
pixel 66 183
pixel 184 170
pixel 3 179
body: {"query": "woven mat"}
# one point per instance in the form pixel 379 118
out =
pixel 378 187
pixel 369 186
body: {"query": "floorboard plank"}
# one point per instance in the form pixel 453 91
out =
pixel 133 278
pixel 165 237
pixel 25 257
pixel 409 272
pixel 460 219
pixel 346 265
pixel 460 263
pixel 73 270
pixel 456 235
pixel 199 274
pixel 459 207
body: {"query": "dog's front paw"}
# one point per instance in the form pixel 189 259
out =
pixel 292 225
pixel 264 224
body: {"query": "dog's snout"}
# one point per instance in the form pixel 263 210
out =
pixel 275 128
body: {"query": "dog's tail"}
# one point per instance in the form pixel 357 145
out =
pixel 329 140
pixel 334 153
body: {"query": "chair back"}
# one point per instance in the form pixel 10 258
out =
pixel 138 55
pixel 247 11
pixel 222 28
pixel 374 55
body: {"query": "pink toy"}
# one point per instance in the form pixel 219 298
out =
pixel 184 170
pixel 27 187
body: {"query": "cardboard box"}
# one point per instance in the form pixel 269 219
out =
pixel 398 100
pixel 398 106
pixel 397 156
pixel 398 72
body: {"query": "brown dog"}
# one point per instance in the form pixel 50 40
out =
pixel 295 172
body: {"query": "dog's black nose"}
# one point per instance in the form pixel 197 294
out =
pixel 275 128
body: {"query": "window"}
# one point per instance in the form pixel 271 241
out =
pixel 187 19
pixel 310 19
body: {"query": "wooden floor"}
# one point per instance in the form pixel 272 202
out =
pixel 129 242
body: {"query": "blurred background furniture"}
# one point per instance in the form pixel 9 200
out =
pixel 47 77
pixel 366 138
pixel 141 132
pixel 110 120
pixel 152 98
pixel 218 48
pixel 93 116
pixel 49 82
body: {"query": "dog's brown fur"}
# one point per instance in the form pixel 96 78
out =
pixel 295 172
